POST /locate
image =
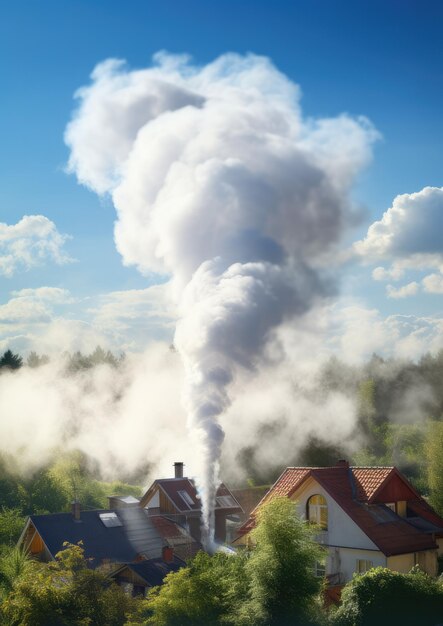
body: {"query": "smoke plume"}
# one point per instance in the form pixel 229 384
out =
pixel 220 183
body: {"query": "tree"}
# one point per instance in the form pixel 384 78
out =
pixel 11 525
pixel 14 562
pixel 434 447
pixel 205 593
pixel 65 593
pixel 283 586
pixel 11 361
pixel 34 360
pixel 388 598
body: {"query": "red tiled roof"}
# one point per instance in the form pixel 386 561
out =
pixel 353 489
pixel 368 480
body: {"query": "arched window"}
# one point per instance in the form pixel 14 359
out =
pixel 317 511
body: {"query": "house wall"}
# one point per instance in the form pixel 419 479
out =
pixel 342 530
pixel 348 560
pixel 154 502
pixel 403 563
pixel 439 542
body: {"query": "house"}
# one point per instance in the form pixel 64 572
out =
pixel 368 517
pixel 121 535
pixel 137 578
pixel 248 498
pixel 177 499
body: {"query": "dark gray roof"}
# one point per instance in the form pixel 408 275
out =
pixel 136 535
pixel 153 571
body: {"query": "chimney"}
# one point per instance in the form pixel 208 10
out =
pixel 167 554
pixel 178 469
pixel 75 510
pixel 342 463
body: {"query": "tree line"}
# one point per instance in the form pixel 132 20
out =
pixel 10 361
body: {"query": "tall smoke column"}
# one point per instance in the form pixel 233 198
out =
pixel 221 184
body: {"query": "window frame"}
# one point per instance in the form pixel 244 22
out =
pixel 317 512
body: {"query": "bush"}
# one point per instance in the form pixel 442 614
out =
pixel 382 597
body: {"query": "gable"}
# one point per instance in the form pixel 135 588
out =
pixel 393 490
pixel 342 529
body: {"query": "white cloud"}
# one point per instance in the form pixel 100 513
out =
pixel 354 333
pixel 411 289
pixel 32 241
pixel 51 320
pixel 433 283
pixel 135 317
pixel 48 294
pixel 409 234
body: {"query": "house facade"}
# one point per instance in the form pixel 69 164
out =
pixel 177 498
pixel 367 517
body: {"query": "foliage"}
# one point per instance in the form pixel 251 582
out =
pixel 434 452
pixel 14 562
pixel 283 585
pixel 10 361
pixel 79 361
pixel 65 593
pixel 385 598
pixel 52 488
pixel 275 584
pixel 207 592
pixel 35 360
pixel 11 525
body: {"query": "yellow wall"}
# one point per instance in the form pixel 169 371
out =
pixel 403 563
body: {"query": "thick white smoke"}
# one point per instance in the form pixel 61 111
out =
pixel 219 182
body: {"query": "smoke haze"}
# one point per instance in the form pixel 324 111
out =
pixel 219 183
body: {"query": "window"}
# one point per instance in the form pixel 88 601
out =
pixel 110 519
pixel 226 502
pixel 363 565
pixel 184 495
pixel 317 511
pixel 320 569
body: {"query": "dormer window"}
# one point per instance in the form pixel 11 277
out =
pixel 317 511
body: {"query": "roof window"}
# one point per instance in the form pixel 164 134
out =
pixel 184 495
pixel 110 519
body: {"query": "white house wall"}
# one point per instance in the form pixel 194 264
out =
pixel 349 558
pixel 342 530
pixel 346 542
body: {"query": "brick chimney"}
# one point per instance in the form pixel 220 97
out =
pixel 168 554
pixel 75 510
pixel 342 463
pixel 178 469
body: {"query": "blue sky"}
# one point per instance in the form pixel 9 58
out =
pixel 380 59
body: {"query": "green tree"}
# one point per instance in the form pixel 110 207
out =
pixel 65 593
pixel 11 525
pixel 382 597
pixel 281 569
pixel 11 361
pixel 14 562
pixel 205 593
pixel 434 448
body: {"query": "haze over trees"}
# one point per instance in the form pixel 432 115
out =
pixel 398 421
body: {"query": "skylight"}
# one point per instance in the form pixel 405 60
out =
pixel 110 519
pixel 184 495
